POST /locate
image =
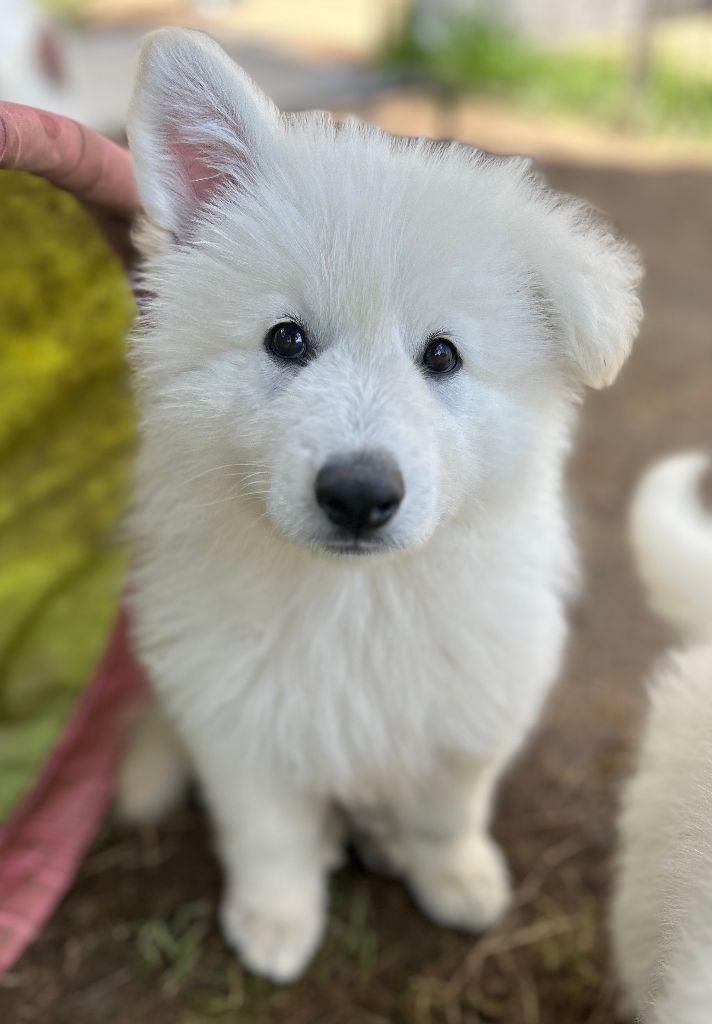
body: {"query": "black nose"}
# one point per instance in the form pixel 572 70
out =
pixel 360 492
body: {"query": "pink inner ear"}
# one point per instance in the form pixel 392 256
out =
pixel 206 167
pixel 202 179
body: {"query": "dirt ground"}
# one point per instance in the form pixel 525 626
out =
pixel 136 942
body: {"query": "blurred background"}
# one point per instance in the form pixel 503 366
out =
pixel 556 74
pixel 614 99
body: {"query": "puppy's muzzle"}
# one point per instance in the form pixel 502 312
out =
pixel 361 492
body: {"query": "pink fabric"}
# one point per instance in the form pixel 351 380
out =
pixel 43 845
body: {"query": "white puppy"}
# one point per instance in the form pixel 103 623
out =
pixel 357 378
pixel 663 907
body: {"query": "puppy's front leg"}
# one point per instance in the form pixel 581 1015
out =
pixel 276 845
pixel 454 868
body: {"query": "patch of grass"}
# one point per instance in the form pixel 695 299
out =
pixel 172 948
pixel 189 960
pixel 477 57
pixel 352 926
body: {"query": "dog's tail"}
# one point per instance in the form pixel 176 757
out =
pixel 672 540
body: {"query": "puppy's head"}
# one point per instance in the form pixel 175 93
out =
pixel 355 337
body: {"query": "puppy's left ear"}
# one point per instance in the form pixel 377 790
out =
pixel 197 125
pixel 590 280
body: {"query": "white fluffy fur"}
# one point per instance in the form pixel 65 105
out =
pixel 663 907
pixel 396 685
pixel 154 770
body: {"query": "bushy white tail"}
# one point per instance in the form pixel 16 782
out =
pixel 672 540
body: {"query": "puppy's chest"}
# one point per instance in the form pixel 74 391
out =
pixel 346 696
pixel 348 685
pixel 351 647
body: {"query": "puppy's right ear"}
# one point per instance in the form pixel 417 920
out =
pixel 196 126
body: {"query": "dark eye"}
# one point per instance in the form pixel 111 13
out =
pixel 287 341
pixel 441 356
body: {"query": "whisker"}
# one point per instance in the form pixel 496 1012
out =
pixel 252 492
pixel 222 468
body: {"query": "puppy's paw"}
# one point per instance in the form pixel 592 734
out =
pixel 464 884
pixel 275 932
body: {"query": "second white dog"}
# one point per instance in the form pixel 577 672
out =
pixel 663 908
pixel 357 380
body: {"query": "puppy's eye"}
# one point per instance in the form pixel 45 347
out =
pixel 287 341
pixel 441 356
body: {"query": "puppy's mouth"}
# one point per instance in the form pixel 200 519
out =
pixel 355 546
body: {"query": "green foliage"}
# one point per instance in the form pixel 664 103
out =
pixel 64 10
pixel 66 434
pixel 173 948
pixel 479 58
